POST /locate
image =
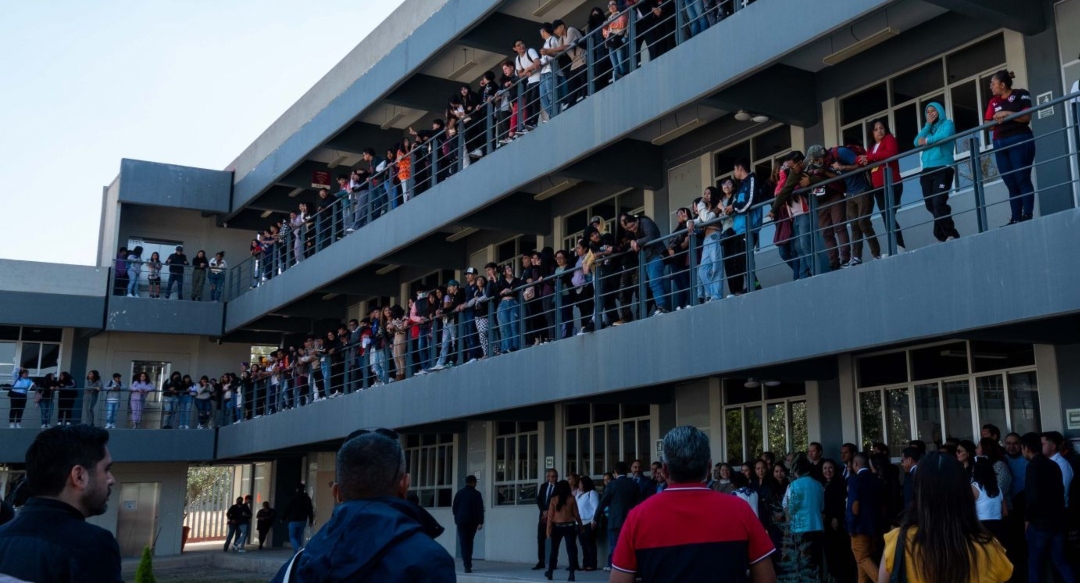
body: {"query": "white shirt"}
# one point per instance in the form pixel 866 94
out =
pixel 1066 474
pixel 552 42
pixel 217 266
pixel 523 62
pixel 749 496
pixel 986 507
pixel 587 503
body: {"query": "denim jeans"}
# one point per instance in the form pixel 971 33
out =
pixel 1014 156
pixel 509 325
pixel 45 407
pixel 423 349
pixel 92 397
pixel 171 404
pixel 612 541
pixel 230 411
pixel 178 279
pixel 1040 542
pixel 185 410
pixel 620 61
pixel 217 282
pixel 449 335
pixel 378 364
pixel 296 534
pixel 695 17
pixel 232 533
pixel 654 270
pixel 204 407
pixel 547 93
pixel 111 407
pixel 711 270
pixel 801 231
pixel 133 282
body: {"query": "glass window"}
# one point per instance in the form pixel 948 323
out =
pixel 600 461
pixel 724 160
pixel 958 420
pixel 864 104
pixel 990 394
pixel 943 360
pixel 800 431
pixel 965 106
pixel 733 436
pixel 635 410
pixel 988 356
pixel 755 434
pixel 898 413
pixel 9 332
pixel 43 334
pixel 905 127
pixel 785 391
pixel 981 56
pixel 611 435
pixel 30 353
pixel 7 362
pixel 772 142
pixel 928 413
pixel 883 369
pixel 516 461
pixel 1024 402
pixel 578 414
pixel 777 416
pixel 918 82
pixel 644 443
pixel 605 412
pixel 870 415
pixel 431 464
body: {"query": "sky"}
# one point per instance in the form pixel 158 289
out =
pixel 190 82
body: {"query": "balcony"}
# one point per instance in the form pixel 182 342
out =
pixel 190 304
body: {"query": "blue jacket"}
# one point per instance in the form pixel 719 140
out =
pixel 744 199
pixel 865 489
pixel 940 130
pixel 383 540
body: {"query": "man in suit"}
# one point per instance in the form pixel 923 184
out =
pixel 544 493
pixel 647 486
pixel 468 510
pixel 620 496
pixel 909 460
pixel 863 502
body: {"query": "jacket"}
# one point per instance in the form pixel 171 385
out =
pixel 620 496
pixel 647 232
pixel 377 540
pixel 542 498
pixel 51 541
pixel 749 191
pixel 299 509
pixel 468 506
pixel 942 129
pixel 1045 493
pixel 864 489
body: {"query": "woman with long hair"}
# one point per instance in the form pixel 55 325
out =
pixel 804 501
pixel 711 267
pixel 65 400
pixel 588 501
pixel 989 498
pixel 965 454
pixel 140 387
pixel 1014 143
pixel 93 391
pixel 153 275
pixel 883 148
pixel 989 448
pixel 563 522
pixel 773 505
pixel 942 538
pixel 399 327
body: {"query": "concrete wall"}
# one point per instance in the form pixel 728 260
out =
pixel 173 480
pixel 186 226
pixel 164 317
pixel 33 293
pixel 113 352
pixel 170 185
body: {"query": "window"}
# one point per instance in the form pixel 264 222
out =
pixel 509 251
pixel 599 435
pixel 429 458
pixel 631 201
pixel 947 389
pixel 35 349
pixel 517 463
pixel 261 354
pixel 763 418
pixel 430 281
pixel 762 150
pixel 959 81
pixel 157 371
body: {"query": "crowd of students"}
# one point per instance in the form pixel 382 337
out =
pixel 207 274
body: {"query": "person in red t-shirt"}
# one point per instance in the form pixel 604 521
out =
pixel 689 532
pixel 1014 144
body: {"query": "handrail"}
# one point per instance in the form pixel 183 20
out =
pixel 586 44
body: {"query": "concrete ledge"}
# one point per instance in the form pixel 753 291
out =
pixel 126 445
pixel 164 316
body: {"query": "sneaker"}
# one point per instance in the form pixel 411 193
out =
pixel 44 425
pixel 581 332
pixel 472 360
pixel 1012 222
pixel 350 230
pixel 900 249
pixel 854 261
pixel 617 323
pixel 659 311
pixel 950 238
pixel 437 368
pixel 241 551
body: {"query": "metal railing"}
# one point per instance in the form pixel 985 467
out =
pixel 562 78
pixel 144 278
pixel 609 284
pixel 120 408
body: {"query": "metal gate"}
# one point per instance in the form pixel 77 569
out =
pixel 210 493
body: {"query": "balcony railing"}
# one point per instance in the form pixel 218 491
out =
pixel 146 278
pixel 561 80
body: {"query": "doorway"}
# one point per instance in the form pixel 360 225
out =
pixel 137 523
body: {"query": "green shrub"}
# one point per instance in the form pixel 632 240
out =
pixel 145 572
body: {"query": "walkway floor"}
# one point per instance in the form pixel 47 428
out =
pixel 207 562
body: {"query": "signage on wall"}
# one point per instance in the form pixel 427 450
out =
pixel 549 461
pixel 1072 418
pixel 320 179
pixel 659 449
pixel 1044 98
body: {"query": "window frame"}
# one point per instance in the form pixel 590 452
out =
pixel 415 458
pixel 569 240
pixel 609 454
pixel 519 484
pixel 20 345
pixel 763 406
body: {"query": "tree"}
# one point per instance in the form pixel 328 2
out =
pixel 145 572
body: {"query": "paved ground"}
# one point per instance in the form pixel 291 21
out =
pixel 206 562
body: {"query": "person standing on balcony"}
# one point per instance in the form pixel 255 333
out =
pixel 860 204
pixel 65 400
pixel 937 169
pixel 832 215
pixel 170 398
pixel 710 268
pixel 885 147
pixel 140 387
pixel 614 33
pixel 217 276
pixel 120 276
pixel 448 311
pixel 645 237
pixel 548 96
pixel 93 391
pixel 572 44
pixel 153 275
pixel 298 222
pixel 745 219
pixel 134 268
pixel 176 262
pixel 470 315
pixel 1014 145
pixel 198 275
pixel 509 316
pixel 527 64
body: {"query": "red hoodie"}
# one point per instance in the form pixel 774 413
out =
pixel 883 150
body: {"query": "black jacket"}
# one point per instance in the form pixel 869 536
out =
pixel 1045 493
pixel 300 509
pixel 49 541
pixel 468 506
pixel 620 496
pixel 647 233
pixel 543 501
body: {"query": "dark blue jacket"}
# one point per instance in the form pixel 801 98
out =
pixel 378 540
pixel 620 496
pixel 468 506
pixel 50 541
pixel 864 488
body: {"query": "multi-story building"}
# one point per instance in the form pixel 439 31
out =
pixel 926 344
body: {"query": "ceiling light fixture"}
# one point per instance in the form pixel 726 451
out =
pixel 751 383
pixel 743 115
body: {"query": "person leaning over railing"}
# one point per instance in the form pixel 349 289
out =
pixel 113 391
pixel 885 147
pixel 1014 144
pixel 153 275
pixel 134 268
pixel 204 392
pixel 644 239
pixel 937 169
pixel 217 275
pixel 17 395
pixel 140 387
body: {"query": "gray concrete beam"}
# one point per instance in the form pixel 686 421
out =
pixel 519 213
pixel 627 163
pixel 171 185
pixel 365 283
pixel 315 307
pixel 796 106
pixel 424 92
pixel 434 251
pixel 497 33
pixel 1023 17
pixel 358 136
